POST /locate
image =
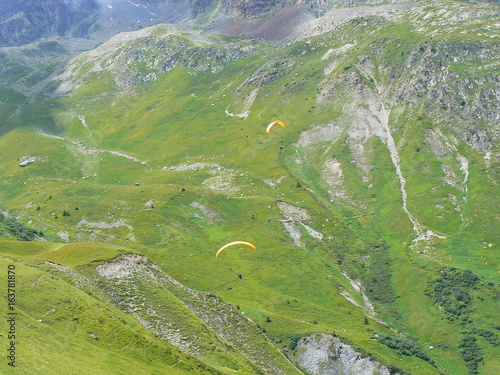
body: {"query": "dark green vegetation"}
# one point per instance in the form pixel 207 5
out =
pixel 403 345
pixel 384 192
pixel 455 291
pixel 11 228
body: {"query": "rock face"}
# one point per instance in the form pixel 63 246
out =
pixel 466 103
pixel 252 9
pixel 262 8
pixel 23 22
pixel 323 354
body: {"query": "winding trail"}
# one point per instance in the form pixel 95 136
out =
pixel 91 161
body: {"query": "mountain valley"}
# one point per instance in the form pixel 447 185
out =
pixel 131 153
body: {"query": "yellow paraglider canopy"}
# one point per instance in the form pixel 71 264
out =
pixel 234 243
pixel 270 126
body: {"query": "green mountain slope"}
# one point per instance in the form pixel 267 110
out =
pixel 64 325
pixel 81 317
pixel 374 211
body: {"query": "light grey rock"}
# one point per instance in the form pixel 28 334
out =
pixel 27 160
pixel 323 354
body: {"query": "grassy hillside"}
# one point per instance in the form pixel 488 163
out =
pixel 75 319
pixel 57 322
pixel 384 174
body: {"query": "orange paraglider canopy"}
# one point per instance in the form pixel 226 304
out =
pixel 271 125
pixel 235 243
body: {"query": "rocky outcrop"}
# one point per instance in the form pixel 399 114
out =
pixel 477 138
pixel 467 103
pixel 267 73
pixel 323 354
pixel 27 160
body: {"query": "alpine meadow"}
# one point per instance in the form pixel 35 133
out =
pixel 133 146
